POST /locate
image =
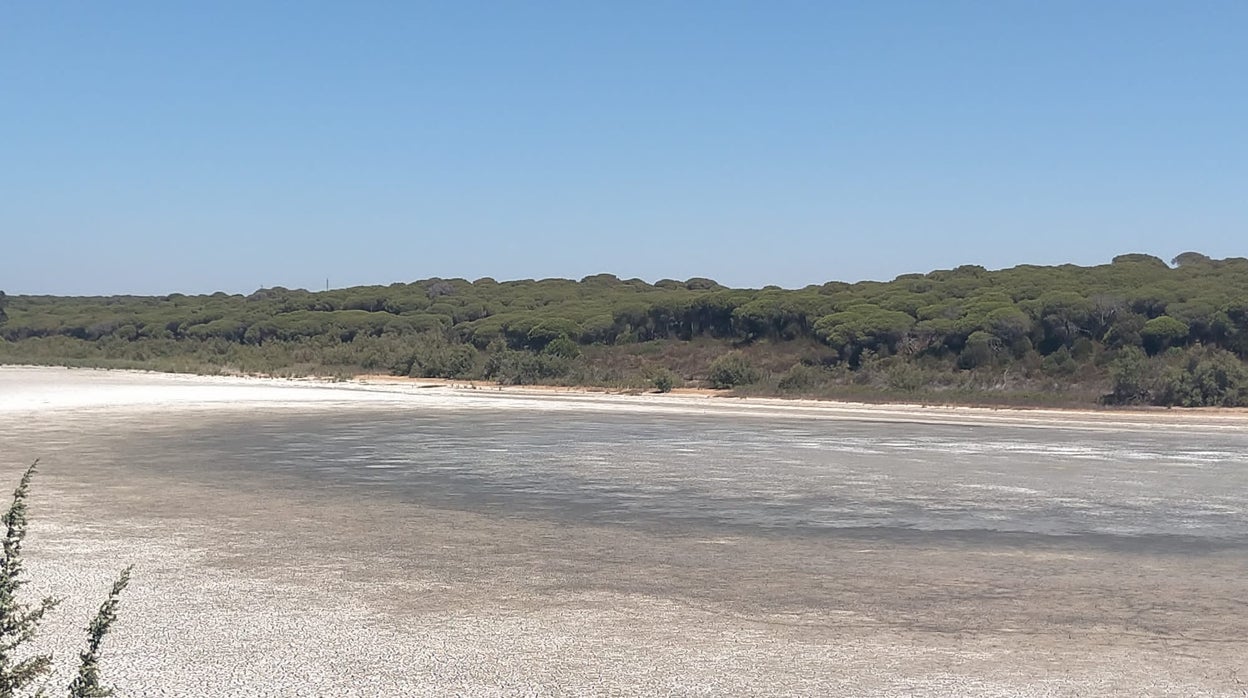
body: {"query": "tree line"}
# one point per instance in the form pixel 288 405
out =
pixel 1137 329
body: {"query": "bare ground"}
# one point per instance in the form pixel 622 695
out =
pixel 270 586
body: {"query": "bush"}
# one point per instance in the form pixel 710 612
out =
pixel 732 370
pixel 664 380
pixel 1059 363
pixel 511 367
pixel 1203 377
pixel 20 622
pixel 432 356
pixel 1128 377
pixel 905 377
pixel 800 377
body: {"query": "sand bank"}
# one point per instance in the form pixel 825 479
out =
pixel 41 389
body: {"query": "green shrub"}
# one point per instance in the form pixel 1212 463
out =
pixel 664 380
pixel 430 355
pixel 1128 377
pixel 19 622
pixel 1059 363
pixel 905 377
pixel 800 377
pixel 1203 377
pixel 513 367
pixel 731 370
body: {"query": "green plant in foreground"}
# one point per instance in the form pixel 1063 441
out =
pixel 19 622
pixel 87 684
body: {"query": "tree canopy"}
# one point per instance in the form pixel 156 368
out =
pixel 1065 317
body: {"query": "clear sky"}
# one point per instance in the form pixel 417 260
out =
pixel 152 147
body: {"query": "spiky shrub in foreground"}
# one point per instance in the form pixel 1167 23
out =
pixel 87 684
pixel 19 622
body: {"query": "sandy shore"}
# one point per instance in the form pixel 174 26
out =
pixel 892 411
pixel 272 587
pixel 26 389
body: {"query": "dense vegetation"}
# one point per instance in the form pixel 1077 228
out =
pixel 1137 330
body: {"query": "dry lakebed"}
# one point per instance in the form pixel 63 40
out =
pixel 374 538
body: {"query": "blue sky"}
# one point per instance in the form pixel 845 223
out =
pixel 153 147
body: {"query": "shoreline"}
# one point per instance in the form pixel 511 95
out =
pixel 35 389
pixel 727 395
